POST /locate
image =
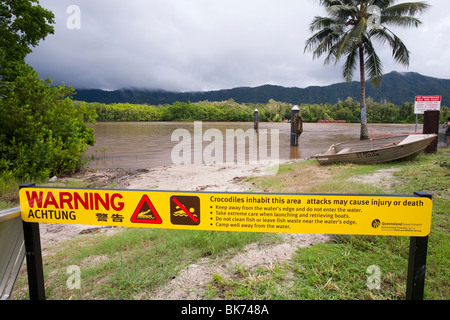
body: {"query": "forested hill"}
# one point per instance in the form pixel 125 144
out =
pixel 395 88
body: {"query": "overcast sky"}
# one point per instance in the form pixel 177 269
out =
pixel 196 45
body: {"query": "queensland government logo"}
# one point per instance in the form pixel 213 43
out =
pixel 376 223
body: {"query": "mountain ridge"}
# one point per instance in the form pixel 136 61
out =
pixel 396 87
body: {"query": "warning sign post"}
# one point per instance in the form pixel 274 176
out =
pixel 427 103
pixel 246 212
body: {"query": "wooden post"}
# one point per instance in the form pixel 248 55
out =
pixel 33 252
pixel 294 137
pixel 417 263
pixel 256 120
pixel 430 126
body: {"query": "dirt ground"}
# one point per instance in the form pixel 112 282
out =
pixel 190 177
pixel 192 282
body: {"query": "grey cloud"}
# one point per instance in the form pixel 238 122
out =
pixel 189 45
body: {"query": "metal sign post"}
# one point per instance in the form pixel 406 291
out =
pixel 417 263
pixel 34 257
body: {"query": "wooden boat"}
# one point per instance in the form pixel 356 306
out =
pixel 377 150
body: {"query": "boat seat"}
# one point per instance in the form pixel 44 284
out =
pixel 345 150
pixel 411 138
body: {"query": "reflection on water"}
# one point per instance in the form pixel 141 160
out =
pixel 137 145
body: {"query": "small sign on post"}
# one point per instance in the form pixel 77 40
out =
pixel 427 103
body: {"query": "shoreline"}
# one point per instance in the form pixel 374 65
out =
pixel 220 177
pixel 192 281
pixel 217 177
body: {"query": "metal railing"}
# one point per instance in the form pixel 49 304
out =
pixel 12 249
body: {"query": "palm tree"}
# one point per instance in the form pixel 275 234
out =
pixel 348 30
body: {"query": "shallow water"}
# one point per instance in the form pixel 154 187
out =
pixel 138 145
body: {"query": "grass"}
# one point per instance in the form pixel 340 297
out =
pixel 342 268
pixel 134 262
pixel 9 191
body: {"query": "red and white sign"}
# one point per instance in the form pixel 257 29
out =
pixel 427 103
pixel 145 212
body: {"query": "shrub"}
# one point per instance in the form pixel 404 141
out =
pixel 41 131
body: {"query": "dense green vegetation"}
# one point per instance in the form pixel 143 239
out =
pixel 41 132
pixel 230 110
pixel 23 24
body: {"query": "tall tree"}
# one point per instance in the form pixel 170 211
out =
pixel 42 133
pixel 23 23
pixel 348 32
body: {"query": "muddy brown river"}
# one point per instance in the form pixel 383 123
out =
pixel 139 145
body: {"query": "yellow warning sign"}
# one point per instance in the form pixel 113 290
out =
pixel 247 212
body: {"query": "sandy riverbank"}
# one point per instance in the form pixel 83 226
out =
pixel 192 282
pixel 190 177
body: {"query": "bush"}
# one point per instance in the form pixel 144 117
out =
pixel 41 131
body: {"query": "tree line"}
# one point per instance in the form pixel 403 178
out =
pixel 41 132
pixel 272 111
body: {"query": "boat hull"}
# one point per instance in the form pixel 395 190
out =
pixel 377 150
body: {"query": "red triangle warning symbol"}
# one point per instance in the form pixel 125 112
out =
pixel 145 212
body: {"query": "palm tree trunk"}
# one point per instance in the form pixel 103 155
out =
pixel 364 130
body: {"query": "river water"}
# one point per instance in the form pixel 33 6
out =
pixel 139 145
